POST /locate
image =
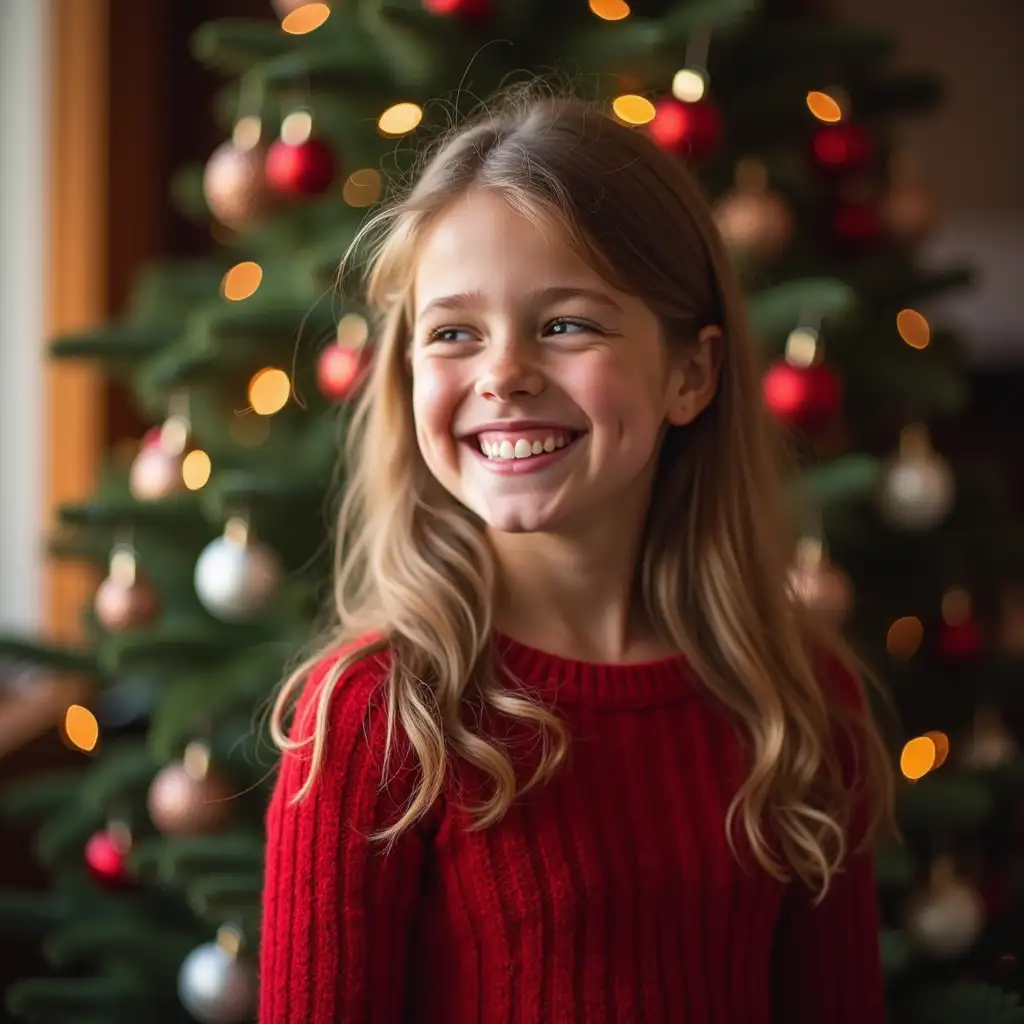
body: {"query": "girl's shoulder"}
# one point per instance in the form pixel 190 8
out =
pixel 345 684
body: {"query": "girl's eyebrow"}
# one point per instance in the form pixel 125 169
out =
pixel 467 300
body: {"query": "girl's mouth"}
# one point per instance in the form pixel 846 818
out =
pixel 523 451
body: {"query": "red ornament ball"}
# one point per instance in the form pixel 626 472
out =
pixel 804 397
pixel 960 641
pixel 306 169
pixel 691 130
pixel 468 10
pixel 842 148
pixel 856 225
pixel 341 369
pixel 106 857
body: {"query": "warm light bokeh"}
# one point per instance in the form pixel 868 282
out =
pixel 195 469
pixel 362 187
pixel 81 729
pixel 688 85
pixel 904 637
pixel 824 107
pixel 400 119
pixel 610 10
pixel 269 391
pixel 305 19
pixel 241 281
pixel 633 109
pixel 918 757
pixel 913 328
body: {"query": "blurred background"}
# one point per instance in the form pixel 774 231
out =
pixel 113 233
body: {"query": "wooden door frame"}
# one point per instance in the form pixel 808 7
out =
pixel 77 288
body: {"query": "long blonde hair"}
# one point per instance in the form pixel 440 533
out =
pixel 415 575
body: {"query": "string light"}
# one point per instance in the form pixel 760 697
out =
pixel 689 85
pixel 400 119
pixel 297 127
pixel 610 10
pixel 824 107
pixel 305 19
pixel 941 741
pixel 196 469
pixel 241 281
pixel 913 328
pixel 362 187
pixel 81 730
pixel 353 330
pixel 269 391
pixel 918 757
pixel 956 606
pixel 633 109
pixel 905 637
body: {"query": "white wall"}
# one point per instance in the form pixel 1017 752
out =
pixel 972 148
pixel 24 126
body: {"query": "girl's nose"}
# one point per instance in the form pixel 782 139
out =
pixel 508 373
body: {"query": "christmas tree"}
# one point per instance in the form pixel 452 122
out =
pixel 215 538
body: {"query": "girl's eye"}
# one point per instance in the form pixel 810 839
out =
pixel 567 325
pixel 449 334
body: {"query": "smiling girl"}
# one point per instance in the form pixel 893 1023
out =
pixel 571 754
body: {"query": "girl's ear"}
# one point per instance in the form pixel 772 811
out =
pixel 695 377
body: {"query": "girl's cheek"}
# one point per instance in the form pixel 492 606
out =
pixel 433 393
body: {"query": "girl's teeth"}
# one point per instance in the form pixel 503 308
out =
pixel 521 449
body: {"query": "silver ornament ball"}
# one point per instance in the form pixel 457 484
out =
pixel 917 491
pixel 945 920
pixel 235 580
pixel 217 987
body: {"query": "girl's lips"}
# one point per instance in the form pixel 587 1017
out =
pixel 531 464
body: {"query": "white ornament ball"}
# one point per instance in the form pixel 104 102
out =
pixel 217 987
pixel 155 474
pixel 990 744
pixel 235 580
pixel 945 920
pixel 917 491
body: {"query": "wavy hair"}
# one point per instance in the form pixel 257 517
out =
pixel 414 572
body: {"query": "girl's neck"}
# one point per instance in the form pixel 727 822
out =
pixel 574 596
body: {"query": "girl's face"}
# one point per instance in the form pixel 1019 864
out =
pixel 540 393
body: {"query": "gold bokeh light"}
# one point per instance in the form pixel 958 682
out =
pixel 241 281
pixel 633 109
pixel 307 18
pixel 400 119
pixel 196 469
pixel 362 187
pixel 913 328
pixel 269 391
pixel 918 757
pixel 824 107
pixel 610 10
pixel 904 637
pixel 81 730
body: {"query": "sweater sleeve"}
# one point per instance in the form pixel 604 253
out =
pixel 337 910
pixel 827 958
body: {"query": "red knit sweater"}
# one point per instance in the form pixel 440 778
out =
pixel 607 896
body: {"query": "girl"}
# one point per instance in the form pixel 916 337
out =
pixel 572 755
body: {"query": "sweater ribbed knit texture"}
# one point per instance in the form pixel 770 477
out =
pixel 608 895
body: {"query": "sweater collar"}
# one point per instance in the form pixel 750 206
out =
pixel 615 685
